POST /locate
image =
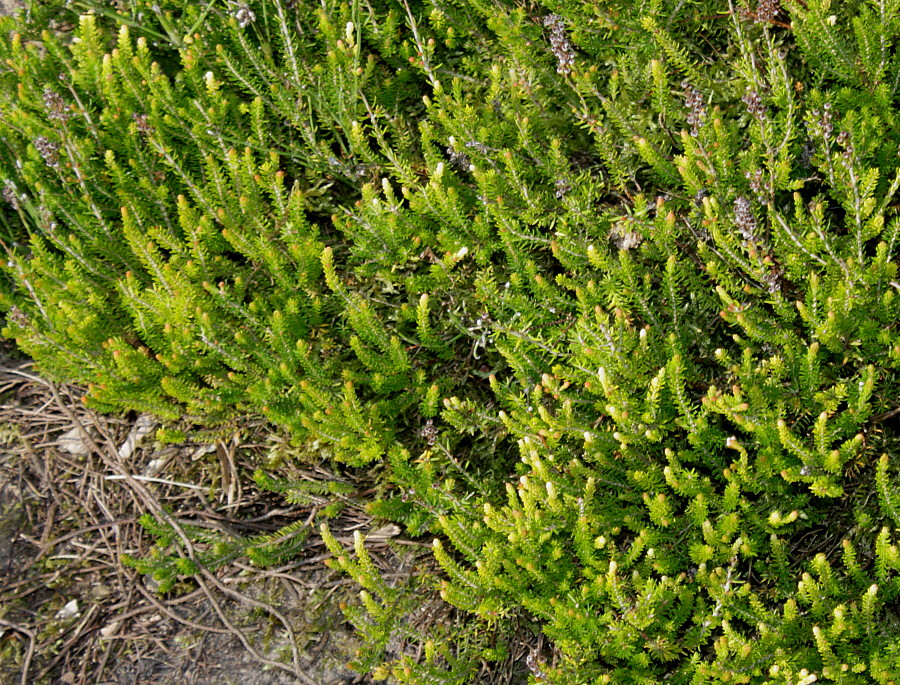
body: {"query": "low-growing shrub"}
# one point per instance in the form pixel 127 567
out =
pixel 607 292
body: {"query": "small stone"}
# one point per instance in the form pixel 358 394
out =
pixel 70 610
pixel 74 442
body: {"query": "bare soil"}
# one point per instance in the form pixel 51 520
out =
pixel 72 613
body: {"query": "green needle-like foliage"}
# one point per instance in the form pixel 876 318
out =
pixel 607 292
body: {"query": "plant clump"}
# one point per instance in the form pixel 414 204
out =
pixel 606 295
